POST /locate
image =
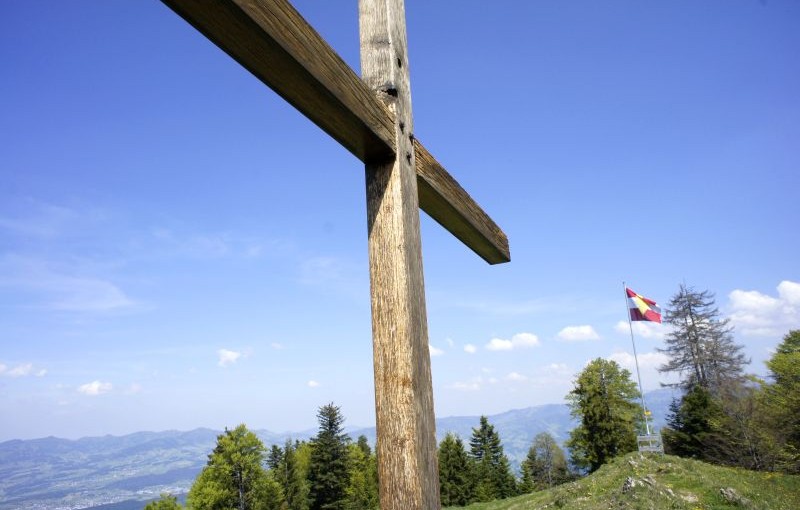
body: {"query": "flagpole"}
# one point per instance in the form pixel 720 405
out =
pixel 636 359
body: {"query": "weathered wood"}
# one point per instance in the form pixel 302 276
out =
pixel 406 446
pixel 271 40
pixel 444 200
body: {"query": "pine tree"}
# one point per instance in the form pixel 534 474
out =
pixel 700 346
pixel 492 473
pixel 234 477
pixel 604 399
pixel 328 471
pixel 455 480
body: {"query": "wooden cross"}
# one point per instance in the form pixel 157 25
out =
pixel 372 119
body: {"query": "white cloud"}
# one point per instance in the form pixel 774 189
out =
pixel 498 344
pixel 755 314
pixel 435 351
pixel 516 377
pixel 450 342
pixel 312 384
pixel 277 346
pixel 646 360
pixel 470 349
pixel 648 367
pixel 466 386
pixel 95 388
pixel 520 340
pixel 22 370
pixel 641 329
pixel 578 333
pixel 227 357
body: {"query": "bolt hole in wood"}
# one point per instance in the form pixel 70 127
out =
pixel 399 63
pixel 402 127
pixel 392 92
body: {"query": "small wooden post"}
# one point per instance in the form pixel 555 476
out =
pixel 406 447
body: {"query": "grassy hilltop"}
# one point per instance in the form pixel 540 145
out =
pixel 663 482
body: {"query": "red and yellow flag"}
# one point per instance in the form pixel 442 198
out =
pixel 642 308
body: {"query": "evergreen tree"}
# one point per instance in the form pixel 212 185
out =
pixel 275 457
pixel 545 464
pixel 290 476
pixel 700 345
pixel 328 470
pixel 690 432
pixel 234 477
pixel 782 401
pixel 604 399
pixel 455 480
pixel 492 473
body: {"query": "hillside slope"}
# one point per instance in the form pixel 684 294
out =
pixel 655 482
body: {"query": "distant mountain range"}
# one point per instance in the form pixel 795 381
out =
pixel 123 472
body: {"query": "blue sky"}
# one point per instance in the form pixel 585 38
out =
pixel 180 248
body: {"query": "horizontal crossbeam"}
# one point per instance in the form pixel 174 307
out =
pixel 270 39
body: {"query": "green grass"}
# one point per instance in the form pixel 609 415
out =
pixel 655 482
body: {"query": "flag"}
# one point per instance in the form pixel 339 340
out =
pixel 642 308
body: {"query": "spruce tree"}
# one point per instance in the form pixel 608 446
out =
pixel 690 431
pixel 604 400
pixel 328 471
pixel 492 473
pixel 700 345
pixel 455 480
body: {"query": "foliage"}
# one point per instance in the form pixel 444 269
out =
pixel 234 476
pixel 289 474
pixel 700 345
pixel 328 470
pixel 662 482
pixel 690 432
pixel 545 465
pixel 165 502
pixel 782 401
pixel 604 399
pixel 455 477
pixel 362 491
pixel 492 473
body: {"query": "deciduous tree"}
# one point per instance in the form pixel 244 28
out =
pixel 234 476
pixel 604 400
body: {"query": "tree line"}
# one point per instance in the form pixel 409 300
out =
pixel 330 471
pixel 723 416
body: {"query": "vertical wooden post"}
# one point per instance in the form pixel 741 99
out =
pixel 406 446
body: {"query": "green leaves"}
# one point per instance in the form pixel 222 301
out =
pixel 604 398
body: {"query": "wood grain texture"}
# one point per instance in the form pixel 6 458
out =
pixel 406 445
pixel 272 41
pixel 444 200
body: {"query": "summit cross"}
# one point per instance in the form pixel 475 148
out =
pixel 370 117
